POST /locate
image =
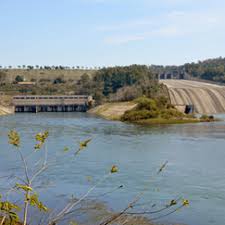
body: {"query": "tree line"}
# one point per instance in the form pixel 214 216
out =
pixel 59 67
pixel 210 69
pixel 120 83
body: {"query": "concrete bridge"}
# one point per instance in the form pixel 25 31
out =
pixel 52 103
pixel 200 97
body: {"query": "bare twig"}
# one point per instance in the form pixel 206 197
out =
pixel 70 206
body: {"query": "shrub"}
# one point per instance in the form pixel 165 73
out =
pixel 28 196
pixel 163 102
pixel 152 108
pixel 207 118
pixel 146 103
pixel 19 78
pixel 135 115
pixel 58 80
pixel 171 113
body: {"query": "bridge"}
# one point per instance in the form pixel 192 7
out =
pixel 200 97
pixel 52 103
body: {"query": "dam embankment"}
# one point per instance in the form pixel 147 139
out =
pixel 204 97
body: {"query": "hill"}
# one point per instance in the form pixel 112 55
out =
pixel 210 69
pixel 39 75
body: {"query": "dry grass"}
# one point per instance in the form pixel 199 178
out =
pixel 45 74
pixel 113 111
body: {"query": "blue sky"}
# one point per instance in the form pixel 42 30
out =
pixel 110 32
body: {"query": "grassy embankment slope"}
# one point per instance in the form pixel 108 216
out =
pixel 147 111
pixel 113 111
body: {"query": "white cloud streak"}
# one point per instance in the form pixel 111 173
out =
pixel 171 25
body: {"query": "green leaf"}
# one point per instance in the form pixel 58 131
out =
pixel 66 149
pixel 24 187
pixel 114 169
pixel 14 138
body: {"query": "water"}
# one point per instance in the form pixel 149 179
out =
pixel 195 153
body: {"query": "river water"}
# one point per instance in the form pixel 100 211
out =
pixel 195 155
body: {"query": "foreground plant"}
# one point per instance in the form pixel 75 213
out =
pixel 9 211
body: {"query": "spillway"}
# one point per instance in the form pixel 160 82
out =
pixel 205 97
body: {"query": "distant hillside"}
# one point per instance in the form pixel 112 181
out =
pixel 120 83
pixel 39 75
pixel 210 69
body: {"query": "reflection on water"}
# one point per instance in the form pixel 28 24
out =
pixel 195 153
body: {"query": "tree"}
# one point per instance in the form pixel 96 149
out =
pixel 19 78
pixel 58 80
pixel 2 77
pixel 29 67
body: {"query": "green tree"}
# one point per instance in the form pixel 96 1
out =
pixel 19 78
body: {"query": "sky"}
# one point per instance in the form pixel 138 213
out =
pixel 110 32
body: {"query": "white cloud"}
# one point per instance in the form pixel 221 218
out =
pixel 124 39
pixel 171 25
pixel 126 25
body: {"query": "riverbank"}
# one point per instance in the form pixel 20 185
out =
pixel 5 110
pixel 6 105
pixel 146 111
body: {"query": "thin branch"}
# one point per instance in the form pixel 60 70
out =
pixel 3 220
pixel 159 217
pixel 152 212
pixel 41 170
pixel 115 217
pixel 70 206
pixel 25 166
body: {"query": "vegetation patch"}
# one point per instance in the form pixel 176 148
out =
pixel 159 111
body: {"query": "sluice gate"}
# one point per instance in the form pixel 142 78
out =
pixel 50 103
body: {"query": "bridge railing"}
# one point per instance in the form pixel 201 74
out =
pixel 51 100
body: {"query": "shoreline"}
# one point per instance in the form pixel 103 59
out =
pixel 115 111
pixel 6 110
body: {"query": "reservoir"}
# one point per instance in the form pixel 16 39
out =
pixel 195 155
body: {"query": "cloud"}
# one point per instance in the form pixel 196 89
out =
pixel 126 25
pixel 124 39
pixel 169 25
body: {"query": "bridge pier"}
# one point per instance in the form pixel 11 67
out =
pixel 50 103
pixel 53 108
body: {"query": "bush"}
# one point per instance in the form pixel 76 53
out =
pixel 152 108
pixel 19 79
pixel 135 115
pixel 163 102
pixel 58 80
pixel 171 113
pixel 207 118
pixel 146 103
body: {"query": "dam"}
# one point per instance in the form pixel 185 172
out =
pixel 51 103
pixel 201 97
